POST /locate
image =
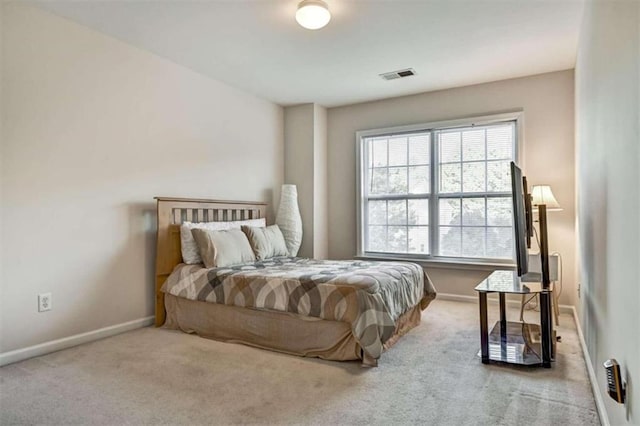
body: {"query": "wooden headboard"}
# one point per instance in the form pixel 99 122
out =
pixel 174 211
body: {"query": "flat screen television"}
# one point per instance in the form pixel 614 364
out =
pixel 522 218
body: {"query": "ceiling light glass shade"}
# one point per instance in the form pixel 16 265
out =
pixel 542 194
pixel 313 14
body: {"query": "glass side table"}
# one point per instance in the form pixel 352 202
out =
pixel 515 342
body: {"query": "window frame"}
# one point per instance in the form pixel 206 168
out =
pixel 516 116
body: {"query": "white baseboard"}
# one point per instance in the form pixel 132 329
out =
pixel 565 309
pixel 67 342
pixel 456 297
pixel 597 395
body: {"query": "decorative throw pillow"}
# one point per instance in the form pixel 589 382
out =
pixel 223 248
pixel 266 242
pixel 188 246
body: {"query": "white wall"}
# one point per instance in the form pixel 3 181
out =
pixel 305 140
pixel 547 101
pixel 2 27
pixel 298 154
pixel 320 184
pixel 608 178
pixel 93 129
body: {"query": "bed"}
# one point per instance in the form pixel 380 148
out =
pixel 335 310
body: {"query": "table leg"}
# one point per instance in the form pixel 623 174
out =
pixel 503 326
pixel 484 328
pixel 545 328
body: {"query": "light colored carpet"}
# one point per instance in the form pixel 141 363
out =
pixel 432 376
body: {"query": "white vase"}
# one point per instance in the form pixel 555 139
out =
pixel 288 218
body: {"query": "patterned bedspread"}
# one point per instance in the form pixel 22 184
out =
pixel 370 296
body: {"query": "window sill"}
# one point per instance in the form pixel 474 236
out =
pixel 444 263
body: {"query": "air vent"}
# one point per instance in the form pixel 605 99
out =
pixel 398 74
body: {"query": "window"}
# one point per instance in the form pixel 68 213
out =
pixel 438 191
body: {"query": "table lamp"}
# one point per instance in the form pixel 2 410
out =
pixel 542 194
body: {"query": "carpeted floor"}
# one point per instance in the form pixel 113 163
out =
pixel 432 376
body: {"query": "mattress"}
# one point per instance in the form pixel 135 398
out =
pixel 370 297
pixel 276 331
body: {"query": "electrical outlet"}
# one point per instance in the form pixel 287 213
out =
pixel 44 302
pixel 578 290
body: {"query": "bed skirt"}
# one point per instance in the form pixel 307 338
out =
pixel 277 331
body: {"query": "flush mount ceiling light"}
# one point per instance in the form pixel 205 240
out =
pixel 313 14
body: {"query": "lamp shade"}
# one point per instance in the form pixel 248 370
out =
pixel 542 194
pixel 313 14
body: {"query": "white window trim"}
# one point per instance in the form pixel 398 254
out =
pixel 515 115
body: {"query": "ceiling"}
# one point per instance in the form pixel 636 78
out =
pixel 257 46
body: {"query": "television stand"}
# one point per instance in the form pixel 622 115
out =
pixel 515 342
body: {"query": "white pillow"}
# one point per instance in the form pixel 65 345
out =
pixel 223 248
pixel 266 242
pixel 188 246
